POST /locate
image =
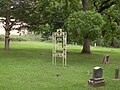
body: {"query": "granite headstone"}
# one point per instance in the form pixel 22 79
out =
pixel 97 79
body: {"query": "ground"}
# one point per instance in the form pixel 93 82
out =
pixel 27 66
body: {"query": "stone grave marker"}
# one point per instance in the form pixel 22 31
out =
pixel 97 79
pixel 106 59
pixel 116 74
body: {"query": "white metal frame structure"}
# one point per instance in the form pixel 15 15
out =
pixel 59 40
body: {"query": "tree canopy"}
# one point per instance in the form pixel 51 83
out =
pixel 86 24
pixel 53 14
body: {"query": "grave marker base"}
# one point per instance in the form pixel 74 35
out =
pixel 116 79
pixel 96 82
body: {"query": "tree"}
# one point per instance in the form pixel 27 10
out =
pixel 111 34
pixel 102 5
pixel 85 5
pixel 110 30
pixel 10 13
pixel 87 25
pixel 5 10
pixel 109 9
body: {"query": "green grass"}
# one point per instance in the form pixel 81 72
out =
pixel 27 66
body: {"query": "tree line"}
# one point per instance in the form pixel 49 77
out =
pixel 86 21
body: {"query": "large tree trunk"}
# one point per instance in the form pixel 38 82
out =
pixel 86 47
pixel 86 44
pixel 7 27
pixel 85 5
pixel 7 39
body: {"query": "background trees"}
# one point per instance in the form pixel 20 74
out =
pixel 109 9
pixel 52 14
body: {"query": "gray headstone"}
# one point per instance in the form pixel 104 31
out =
pixel 97 79
pixel 97 72
pixel 117 73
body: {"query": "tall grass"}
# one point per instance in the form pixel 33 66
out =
pixel 27 66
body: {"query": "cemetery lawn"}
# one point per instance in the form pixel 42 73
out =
pixel 27 66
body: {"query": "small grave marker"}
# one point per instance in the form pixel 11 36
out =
pixel 97 79
pixel 117 74
pixel 58 75
pixel 106 59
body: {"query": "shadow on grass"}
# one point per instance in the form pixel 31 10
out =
pixel 45 55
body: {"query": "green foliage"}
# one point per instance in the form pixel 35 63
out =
pixel 60 10
pixel 101 5
pixel 4 6
pixel 39 15
pixel 22 10
pixel 111 34
pixel 84 24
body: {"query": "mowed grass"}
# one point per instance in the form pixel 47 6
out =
pixel 27 66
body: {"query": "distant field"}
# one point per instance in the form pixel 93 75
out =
pixel 27 66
